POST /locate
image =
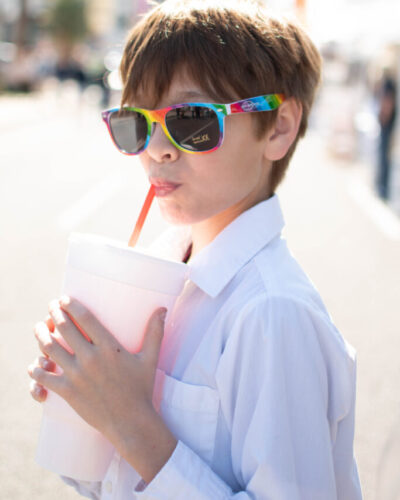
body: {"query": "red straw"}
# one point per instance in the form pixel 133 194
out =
pixel 142 217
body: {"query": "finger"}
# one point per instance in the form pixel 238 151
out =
pixel 85 321
pixel 49 323
pixel 67 328
pixel 153 336
pixel 51 348
pixel 46 379
pixel 38 392
pixel 47 364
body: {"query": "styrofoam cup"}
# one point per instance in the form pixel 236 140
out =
pixel 122 286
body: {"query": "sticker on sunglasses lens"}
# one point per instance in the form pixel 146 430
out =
pixel 200 139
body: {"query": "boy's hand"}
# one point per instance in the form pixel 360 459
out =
pixel 107 385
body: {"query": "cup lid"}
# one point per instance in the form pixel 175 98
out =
pixel 115 260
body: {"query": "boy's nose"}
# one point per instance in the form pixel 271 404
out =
pixel 160 148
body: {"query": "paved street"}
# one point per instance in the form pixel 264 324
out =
pixel 59 173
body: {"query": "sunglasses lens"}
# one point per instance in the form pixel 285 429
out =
pixel 195 128
pixel 129 130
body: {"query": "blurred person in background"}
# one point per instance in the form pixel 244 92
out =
pixel 69 67
pixel 69 28
pixel 386 96
pixel 21 76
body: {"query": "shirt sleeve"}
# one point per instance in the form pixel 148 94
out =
pixel 85 488
pixel 286 381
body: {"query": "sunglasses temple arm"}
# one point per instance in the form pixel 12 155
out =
pixel 254 104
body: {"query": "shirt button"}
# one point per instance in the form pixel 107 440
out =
pixel 108 486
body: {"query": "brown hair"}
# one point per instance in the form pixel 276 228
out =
pixel 233 50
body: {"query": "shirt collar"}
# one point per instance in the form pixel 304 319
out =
pixel 216 264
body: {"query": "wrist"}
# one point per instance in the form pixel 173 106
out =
pixel 148 447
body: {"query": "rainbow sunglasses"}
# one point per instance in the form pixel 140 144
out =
pixel 192 127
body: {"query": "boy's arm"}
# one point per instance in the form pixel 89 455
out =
pixel 286 383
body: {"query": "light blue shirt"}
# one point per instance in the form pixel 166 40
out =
pixel 254 379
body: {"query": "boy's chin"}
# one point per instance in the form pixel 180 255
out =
pixel 179 217
pixel 176 218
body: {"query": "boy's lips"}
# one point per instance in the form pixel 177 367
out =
pixel 163 187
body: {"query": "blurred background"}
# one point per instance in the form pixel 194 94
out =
pixel 59 172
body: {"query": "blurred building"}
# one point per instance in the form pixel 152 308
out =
pixel 19 20
pixel 22 20
pixel 114 16
pixel 28 43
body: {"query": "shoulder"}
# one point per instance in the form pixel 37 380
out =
pixel 284 341
pixel 277 317
pixel 293 329
pixel 273 275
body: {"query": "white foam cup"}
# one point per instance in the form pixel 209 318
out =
pixel 122 286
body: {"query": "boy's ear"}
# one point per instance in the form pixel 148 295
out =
pixel 284 131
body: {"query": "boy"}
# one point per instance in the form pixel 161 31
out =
pixel 250 392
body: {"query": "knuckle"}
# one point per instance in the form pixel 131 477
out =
pixel 41 361
pixel 37 374
pixel 46 363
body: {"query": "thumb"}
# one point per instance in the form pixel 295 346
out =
pixel 153 335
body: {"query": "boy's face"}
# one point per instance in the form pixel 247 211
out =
pixel 211 186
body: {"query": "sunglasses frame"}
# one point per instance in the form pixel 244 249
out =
pixel 267 102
